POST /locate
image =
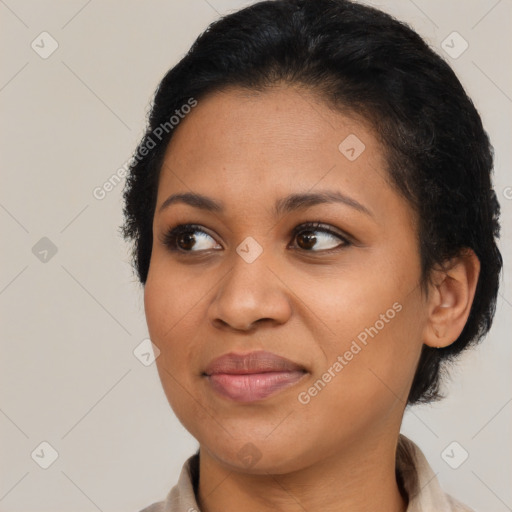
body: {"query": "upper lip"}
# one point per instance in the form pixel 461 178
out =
pixel 252 362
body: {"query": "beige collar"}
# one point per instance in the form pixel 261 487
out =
pixel 419 481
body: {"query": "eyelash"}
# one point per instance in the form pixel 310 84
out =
pixel 170 237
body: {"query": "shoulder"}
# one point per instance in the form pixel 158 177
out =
pixel 182 497
pixel 420 482
pixel 457 506
pixel 155 507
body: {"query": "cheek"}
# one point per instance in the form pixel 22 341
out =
pixel 169 300
pixel 374 324
pixel 357 305
pixel 379 359
pixel 169 316
pixel 157 299
pixel 173 329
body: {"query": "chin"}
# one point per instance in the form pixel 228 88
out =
pixel 257 457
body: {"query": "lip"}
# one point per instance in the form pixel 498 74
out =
pixel 252 376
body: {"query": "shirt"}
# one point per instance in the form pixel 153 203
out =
pixel 414 475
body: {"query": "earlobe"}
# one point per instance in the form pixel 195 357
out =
pixel 451 295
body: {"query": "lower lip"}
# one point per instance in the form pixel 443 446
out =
pixel 254 386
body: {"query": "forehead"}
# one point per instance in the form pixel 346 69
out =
pixel 248 146
pixel 286 118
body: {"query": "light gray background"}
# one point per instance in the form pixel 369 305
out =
pixel 70 324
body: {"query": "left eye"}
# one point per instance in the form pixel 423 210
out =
pixel 318 238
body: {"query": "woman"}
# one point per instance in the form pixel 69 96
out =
pixel 315 228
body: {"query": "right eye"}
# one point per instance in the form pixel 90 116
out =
pixel 189 238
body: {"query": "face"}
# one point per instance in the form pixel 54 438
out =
pixel 298 248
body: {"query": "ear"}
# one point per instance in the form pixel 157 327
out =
pixel 450 297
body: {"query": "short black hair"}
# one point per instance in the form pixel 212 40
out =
pixel 366 62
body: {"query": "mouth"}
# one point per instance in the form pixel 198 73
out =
pixel 253 376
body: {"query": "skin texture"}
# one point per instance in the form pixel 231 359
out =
pixel 337 452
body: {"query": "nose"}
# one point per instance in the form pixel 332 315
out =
pixel 250 293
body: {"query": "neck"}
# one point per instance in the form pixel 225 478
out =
pixel 354 479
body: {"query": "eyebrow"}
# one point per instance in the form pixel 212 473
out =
pixel 282 206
